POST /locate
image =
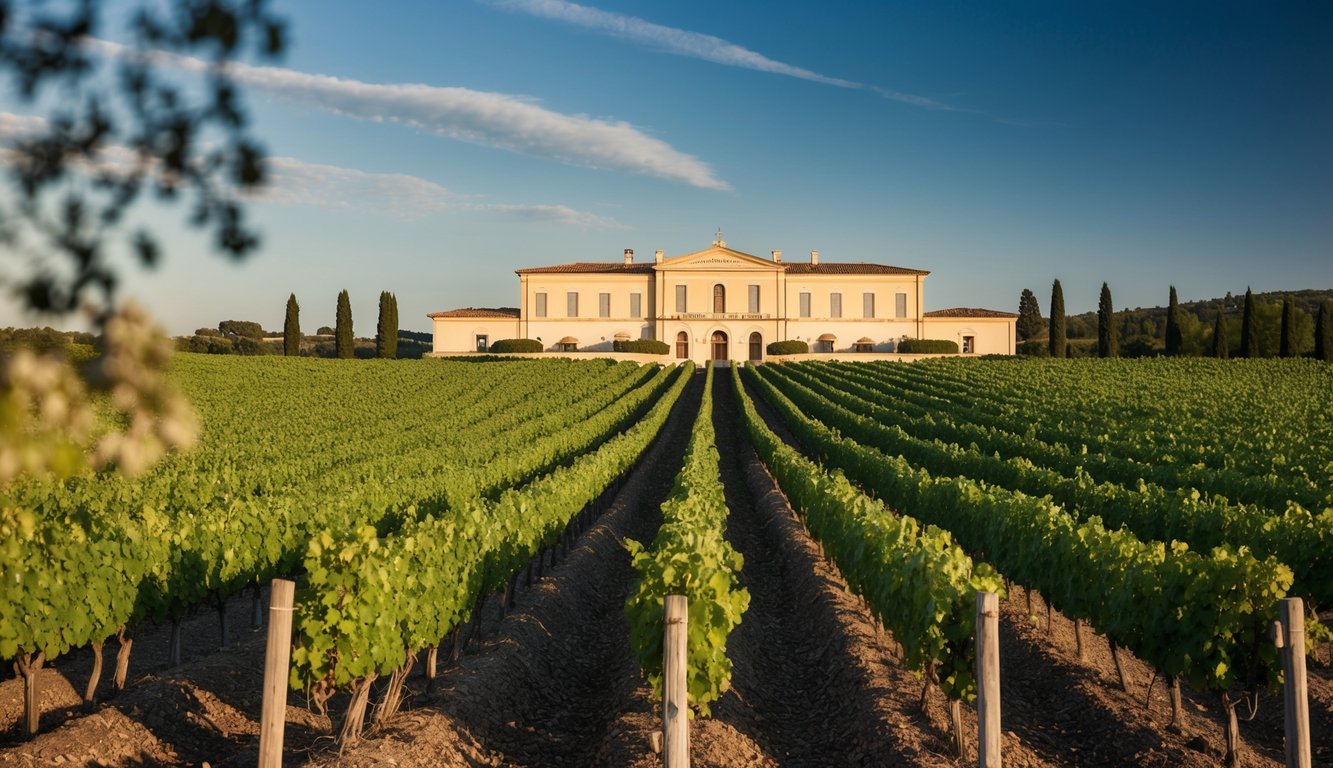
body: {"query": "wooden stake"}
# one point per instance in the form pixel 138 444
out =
pixel 1289 636
pixel 257 608
pixel 675 700
pixel 1232 756
pixel 29 667
pixel 432 661
pixel 956 720
pixel 988 679
pixel 277 658
pixel 122 658
pixel 90 693
pixel 1078 638
pixel 1119 667
pixel 174 646
pixel 1177 723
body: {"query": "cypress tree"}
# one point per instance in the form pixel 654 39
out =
pixel 1108 343
pixel 291 329
pixel 1029 315
pixel 1249 328
pixel 1287 341
pixel 1174 340
pixel 1323 332
pixel 343 340
pixel 1220 336
pixel 392 341
pixel 1057 341
pixel 382 327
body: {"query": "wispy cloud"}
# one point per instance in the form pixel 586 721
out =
pixel 296 182
pixel 509 122
pixel 695 45
pixel 679 41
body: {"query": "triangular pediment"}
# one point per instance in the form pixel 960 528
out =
pixel 719 257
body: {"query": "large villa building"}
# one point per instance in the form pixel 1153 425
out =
pixel 722 304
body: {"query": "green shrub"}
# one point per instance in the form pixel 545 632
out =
pixel 516 345
pixel 1034 348
pixel 789 347
pixel 928 347
pixel 642 346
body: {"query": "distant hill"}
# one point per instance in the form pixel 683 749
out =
pixel 1143 329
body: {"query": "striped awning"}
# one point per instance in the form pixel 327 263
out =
pixel 865 340
pixel 569 340
pixel 828 337
pixel 622 336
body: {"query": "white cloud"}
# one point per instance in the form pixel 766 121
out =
pixel 297 182
pixel 498 120
pixel 695 45
pixel 679 41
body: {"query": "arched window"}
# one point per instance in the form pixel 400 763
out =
pixel 682 345
pixel 719 298
pixel 720 346
pixel 756 346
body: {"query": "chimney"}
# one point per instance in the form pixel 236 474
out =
pixel 814 257
pixel 629 255
pixel 777 257
pixel 657 257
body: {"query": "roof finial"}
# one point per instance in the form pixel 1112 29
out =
pixel 717 239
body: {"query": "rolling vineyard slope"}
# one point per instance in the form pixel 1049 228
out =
pixel 92 556
pixel 373 601
pixel 1296 537
pixel 1257 432
pixel 1202 617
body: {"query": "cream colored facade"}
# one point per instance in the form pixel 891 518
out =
pixel 720 303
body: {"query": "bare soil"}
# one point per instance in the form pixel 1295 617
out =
pixel 552 682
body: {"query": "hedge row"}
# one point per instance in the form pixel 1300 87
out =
pixel 516 345
pixel 642 346
pixel 789 347
pixel 928 347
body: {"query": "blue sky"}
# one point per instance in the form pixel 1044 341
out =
pixel 429 149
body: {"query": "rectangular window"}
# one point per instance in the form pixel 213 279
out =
pixel 901 305
pixel 603 305
pixel 572 304
pixel 636 305
pixel 680 298
pixel 835 305
pixel 483 343
pixel 541 305
pixel 868 305
pixel 969 345
pixel 805 304
pixel 754 299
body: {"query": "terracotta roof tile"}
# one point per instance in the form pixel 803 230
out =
pixel 496 312
pixel 795 268
pixel 586 267
pixel 849 268
pixel 968 312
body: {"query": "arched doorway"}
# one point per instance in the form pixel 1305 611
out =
pixel 756 346
pixel 682 345
pixel 719 345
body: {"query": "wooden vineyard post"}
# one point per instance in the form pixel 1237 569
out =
pixel 988 679
pixel 1289 636
pixel 675 697
pixel 277 658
